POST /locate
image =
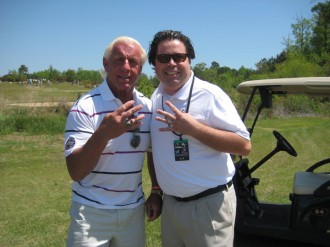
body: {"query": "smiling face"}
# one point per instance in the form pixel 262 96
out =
pixel 172 75
pixel 123 68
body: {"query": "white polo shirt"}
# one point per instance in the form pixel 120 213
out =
pixel 206 167
pixel 116 181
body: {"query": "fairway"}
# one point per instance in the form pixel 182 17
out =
pixel 14 93
pixel 35 185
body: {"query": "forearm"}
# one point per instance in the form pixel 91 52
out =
pixel 221 140
pixel 151 170
pixel 83 160
pixel 154 202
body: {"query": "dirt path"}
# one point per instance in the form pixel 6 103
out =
pixel 41 104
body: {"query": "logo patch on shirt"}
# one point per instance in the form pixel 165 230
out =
pixel 70 143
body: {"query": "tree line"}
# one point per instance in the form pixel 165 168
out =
pixel 306 53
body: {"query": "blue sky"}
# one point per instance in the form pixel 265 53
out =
pixel 68 34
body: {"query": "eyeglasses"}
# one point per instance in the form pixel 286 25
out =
pixel 136 139
pixel 177 57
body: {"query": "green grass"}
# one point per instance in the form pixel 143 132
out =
pixel 35 192
pixel 310 138
pixel 35 185
pixel 55 92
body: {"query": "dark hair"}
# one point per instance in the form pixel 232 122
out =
pixel 169 35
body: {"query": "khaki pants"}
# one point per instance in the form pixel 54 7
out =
pixel 106 227
pixel 206 222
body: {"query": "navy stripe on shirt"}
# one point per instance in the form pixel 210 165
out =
pixel 78 131
pixel 117 173
pixel 92 96
pixel 86 197
pixel 139 199
pixel 120 191
pixel 102 112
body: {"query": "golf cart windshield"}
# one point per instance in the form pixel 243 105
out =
pixel 312 86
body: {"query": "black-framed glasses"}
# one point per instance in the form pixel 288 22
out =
pixel 177 57
pixel 136 139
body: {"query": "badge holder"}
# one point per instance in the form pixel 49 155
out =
pixel 181 149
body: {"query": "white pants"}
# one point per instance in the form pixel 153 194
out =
pixel 206 222
pixel 106 227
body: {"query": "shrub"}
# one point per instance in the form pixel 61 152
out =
pixel 46 120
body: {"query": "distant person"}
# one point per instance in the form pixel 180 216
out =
pixel 194 129
pixel 106 137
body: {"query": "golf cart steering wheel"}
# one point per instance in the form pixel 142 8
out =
pixel 283 144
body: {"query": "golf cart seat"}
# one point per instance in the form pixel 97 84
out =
pixel 307 183
pixel 311 202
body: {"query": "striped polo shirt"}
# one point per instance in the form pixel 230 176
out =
pixel 116 181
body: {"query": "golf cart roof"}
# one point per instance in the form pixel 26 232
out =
pixel 314 86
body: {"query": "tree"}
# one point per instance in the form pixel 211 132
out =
pixel 199 69
pixel 263 66
pixel 288 43
pixel 321 32
pixel 23 70
pixel 89 75
pixel 22 73
pixel 144 85
pixel 12 76
pixel 215 65
pixel 297 65
pixel 53 74
pixel 70 75
pixel 302 32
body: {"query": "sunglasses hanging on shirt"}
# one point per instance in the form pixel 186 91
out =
pixel 136 139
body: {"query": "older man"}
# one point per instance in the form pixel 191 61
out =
pixel 106 137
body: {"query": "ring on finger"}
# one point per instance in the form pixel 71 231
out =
pixel 128 123
pixel 168 120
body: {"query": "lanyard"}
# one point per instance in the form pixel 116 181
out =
pixel 187 107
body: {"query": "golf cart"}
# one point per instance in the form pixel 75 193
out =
pixel 307 217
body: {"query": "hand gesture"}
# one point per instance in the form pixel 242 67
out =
pixel 122 120
pixel 178 121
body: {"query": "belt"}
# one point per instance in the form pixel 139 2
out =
pixel 204 193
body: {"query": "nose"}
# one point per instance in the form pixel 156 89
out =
pixel 171 62
pixel 126 64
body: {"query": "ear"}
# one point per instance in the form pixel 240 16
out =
pixel 105 64
pixel 140 70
